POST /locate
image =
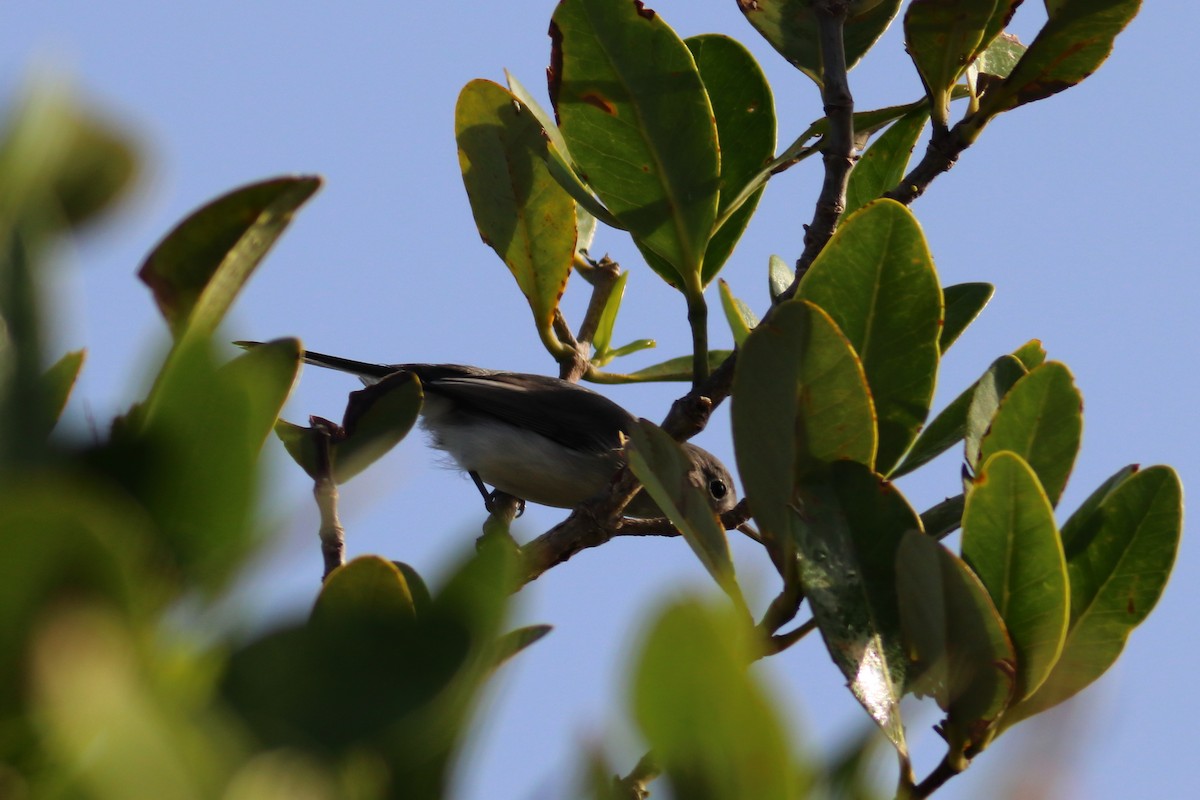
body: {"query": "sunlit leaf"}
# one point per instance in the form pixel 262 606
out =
pixel 963 302
pixel 739 315
pixel 883 164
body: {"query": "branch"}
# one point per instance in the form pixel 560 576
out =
pixel 331 532
pixel 633 785
pixel 945 146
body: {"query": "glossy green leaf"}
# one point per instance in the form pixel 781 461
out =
pixel 883 164
pixel 942 37
pixel 667 475
pixel 558 162
pixel 1000 57
pixel 847 527
pixel 954 422
pixel 1011 542
pixel 739 315
pixel 779 276
pixel 520 210
pixel 1120 547
pixel 712 728
pixel 56 385
pixel 367 584
pixel 745 115
pixel 1041 420
pixel 985 397
pixel 964 302
pixel 1072 45
pixel 877 281
pixel 791 28
pixel 960 651
pixel 800 400
pixel 639 125
pixel 675 369
pixel 196 271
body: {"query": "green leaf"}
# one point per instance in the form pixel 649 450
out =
pixel 56 385
pixel 800 400
pixel 1072 45
pixel 986 394
pixel 675 369
pixel 602 340
pixel 964 302
pixel 196 271
pixel 367 585
pixel 791 28
pixel 272 367
pixel 635 114
pixel 745 115
pixel 876 280
pixel 1031 354
pixel 520 210
pixel 961 654
pixel 883 164
pixel 943 36
pixel 847 536
pixel 1041 420
pixel 1120 547
pixel 964 415
pixel 1011 542
pixel 1000 57
pixel 377 418
pixel 741 319
pixel 513 642
pixel 668 476
pixel 779 276
pixel 712 728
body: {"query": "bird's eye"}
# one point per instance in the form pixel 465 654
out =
pixel 717 488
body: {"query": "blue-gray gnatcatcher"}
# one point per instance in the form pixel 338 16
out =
pixel 536 438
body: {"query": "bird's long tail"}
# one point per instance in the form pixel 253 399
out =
pixel 368 372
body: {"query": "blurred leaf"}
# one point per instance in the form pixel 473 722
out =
pixel 69 540
pixel 963 302
pixel 745 116
pixel 514 642
pixel 876 280
pixel 711 726
pixel 1072 45
pixel 779 276
pixel 675 369
pixel 964 415
pixel 985 397
pixel 883 164
pixel 667 475
pixel 848 525
pixel 1041 420
pixel 367 584
pixel 800 400
pixel 791 28
pixel 190 454
pixel 942 36
pixel 61 163
pixel 1120 547
pixel 56 385
pixel 422 599
pixel 520 210
pixel 198 268
pixel 640 126
pixel 1011 542
pixel 106 729
pixel 741 319
pixel 960 650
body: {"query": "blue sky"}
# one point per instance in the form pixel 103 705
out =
pixel 1074 207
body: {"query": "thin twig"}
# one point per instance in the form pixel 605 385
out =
pixel 633 785
pixel 331 532
pixel 602 275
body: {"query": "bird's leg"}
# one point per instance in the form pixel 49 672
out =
pixel 489 498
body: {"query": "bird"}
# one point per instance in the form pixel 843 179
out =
pixel 539 439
